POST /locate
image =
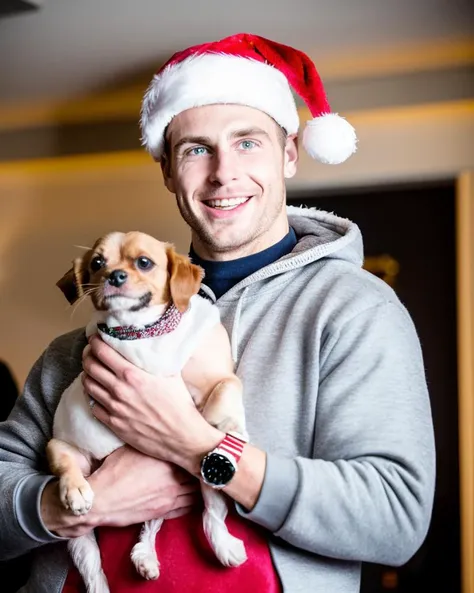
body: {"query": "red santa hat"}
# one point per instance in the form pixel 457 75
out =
pixel 246 70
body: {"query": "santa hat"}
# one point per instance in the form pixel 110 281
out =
pixel 246 70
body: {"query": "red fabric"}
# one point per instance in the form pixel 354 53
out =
pixel 187 562
pixel 293 63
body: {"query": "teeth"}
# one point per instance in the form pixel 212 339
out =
pixel 226 203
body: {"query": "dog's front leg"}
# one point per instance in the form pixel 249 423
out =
pixel 65 462
pixel 229 550
pixel 224 408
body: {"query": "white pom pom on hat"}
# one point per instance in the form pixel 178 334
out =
pixel 249 70
pixel 329 138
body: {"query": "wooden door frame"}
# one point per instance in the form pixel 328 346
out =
pixel 465 309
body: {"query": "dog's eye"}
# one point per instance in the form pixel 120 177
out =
pixel 97 262
pixel 144 263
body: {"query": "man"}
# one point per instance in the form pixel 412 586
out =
pixel 340 464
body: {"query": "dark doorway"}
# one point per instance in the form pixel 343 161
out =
pixel 409 238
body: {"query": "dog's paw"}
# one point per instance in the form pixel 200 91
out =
pixel 145 561
pixel 229 424
pixel 98 584
pixel 231 552
pixel 77 498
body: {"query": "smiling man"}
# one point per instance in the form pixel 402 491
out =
pixel 340 465
pixel 229 185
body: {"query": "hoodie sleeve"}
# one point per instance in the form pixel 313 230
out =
pixel 367 494
pixel 23 466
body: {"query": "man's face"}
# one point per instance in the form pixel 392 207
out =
pixel 227 165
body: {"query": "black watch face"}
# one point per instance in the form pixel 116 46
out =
pixel 216 469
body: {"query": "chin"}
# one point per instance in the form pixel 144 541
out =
pixel 120 303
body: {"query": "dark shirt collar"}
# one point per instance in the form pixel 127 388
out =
pixel 221 276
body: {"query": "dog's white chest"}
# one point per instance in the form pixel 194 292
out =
pixel 163 355
pixel 75 424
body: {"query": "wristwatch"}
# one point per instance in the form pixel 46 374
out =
pixel 219 465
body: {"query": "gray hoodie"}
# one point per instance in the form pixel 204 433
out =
pixel 335 392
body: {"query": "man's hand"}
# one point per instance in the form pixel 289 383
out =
pixel 129 488
pixel 155 415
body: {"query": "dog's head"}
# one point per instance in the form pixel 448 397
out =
pixel 131 271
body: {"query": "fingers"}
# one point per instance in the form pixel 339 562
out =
pixel 189 488
pixel 187 500
pixel 109 357
pixel 98 396
pixel 182 476
pixel 178 513
pixel 184 504
pixel 96 372
pixel 190 481
pixel 94 389
pixel 100 413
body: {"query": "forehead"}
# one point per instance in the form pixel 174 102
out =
pixel 215 121
pixel 118 246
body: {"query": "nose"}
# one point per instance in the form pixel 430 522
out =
pixel 117 278
pixel 224 167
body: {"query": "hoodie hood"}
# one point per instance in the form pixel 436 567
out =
pixel 323 234
pixel 320 235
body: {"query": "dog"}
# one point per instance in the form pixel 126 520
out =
pixel 143 287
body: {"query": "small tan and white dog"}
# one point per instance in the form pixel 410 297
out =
pixel 147 308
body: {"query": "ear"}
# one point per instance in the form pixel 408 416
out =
pixel 167 174
pixel 72 283
pixel 185 279
pixel 290 156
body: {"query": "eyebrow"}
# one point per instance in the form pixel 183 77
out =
pixel 255 131
pixel 206 140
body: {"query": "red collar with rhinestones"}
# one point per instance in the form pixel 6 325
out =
pixel 167 323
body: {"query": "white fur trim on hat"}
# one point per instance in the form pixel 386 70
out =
pixel 209 79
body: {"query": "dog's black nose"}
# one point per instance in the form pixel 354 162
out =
pixel 117 278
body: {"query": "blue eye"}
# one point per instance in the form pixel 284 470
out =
pixel 198 150
pixel 247 144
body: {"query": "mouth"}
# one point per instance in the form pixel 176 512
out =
pixel 224 205
pixel 124 302
pixel 225 208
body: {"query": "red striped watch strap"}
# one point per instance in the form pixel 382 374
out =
pixel 233 445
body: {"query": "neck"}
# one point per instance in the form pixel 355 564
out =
pixel 131 318
pixel 208 252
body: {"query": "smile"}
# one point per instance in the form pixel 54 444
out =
pixel 227 203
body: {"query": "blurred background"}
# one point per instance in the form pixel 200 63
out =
pixel 72 75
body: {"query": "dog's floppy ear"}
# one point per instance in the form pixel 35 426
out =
pixel 185 279
pixel 73 281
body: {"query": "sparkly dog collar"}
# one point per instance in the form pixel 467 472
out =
pixel 167 323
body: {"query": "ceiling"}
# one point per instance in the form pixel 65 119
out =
pixel 69 48
pixel 10 7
